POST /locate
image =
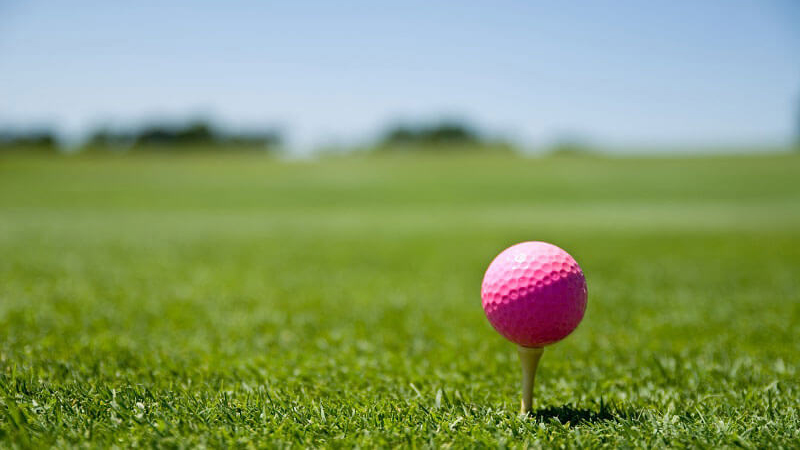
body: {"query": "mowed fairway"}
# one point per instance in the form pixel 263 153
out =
pixel 244 301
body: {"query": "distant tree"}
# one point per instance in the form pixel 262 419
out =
pixel 154 135
pixel 441 135
pixel 39 139
pixel 450 133
pixel 195 133
pixel 198 134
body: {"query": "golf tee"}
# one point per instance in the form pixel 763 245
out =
pixel 529 357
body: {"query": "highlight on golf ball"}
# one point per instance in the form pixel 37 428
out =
pixel 534 294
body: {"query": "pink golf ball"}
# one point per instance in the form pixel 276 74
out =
pixel 534 294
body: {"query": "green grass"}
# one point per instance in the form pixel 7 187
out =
pixel 243 301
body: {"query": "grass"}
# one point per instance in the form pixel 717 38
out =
pixel 243 301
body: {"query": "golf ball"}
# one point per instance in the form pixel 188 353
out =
pixel 534 294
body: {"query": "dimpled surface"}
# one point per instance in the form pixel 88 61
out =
pixel 534 294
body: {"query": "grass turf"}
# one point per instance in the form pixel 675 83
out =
pixel 249 302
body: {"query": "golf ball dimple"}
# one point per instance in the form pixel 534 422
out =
pixel 534 294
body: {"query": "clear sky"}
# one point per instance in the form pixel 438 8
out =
pixel 645 72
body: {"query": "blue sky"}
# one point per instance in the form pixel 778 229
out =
pixel 622 73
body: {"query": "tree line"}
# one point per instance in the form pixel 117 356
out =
pixel 204 135
pixel 192 135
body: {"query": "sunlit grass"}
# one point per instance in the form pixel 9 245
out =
pixel 227 301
